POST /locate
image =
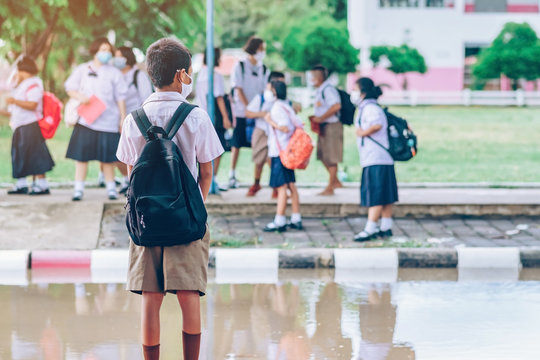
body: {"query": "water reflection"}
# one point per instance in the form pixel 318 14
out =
pixel 290 320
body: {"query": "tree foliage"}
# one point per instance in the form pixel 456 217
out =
pixel 515 53
pixel 401 60
pixel 319 39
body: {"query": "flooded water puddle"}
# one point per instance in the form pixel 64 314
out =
pixel 423 315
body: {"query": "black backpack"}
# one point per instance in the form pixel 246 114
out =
pixel 164 206
pixel 403 142
pixel 346 114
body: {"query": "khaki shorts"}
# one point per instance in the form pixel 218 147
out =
pixel 170 268
pixel 259 146
pixel 330 144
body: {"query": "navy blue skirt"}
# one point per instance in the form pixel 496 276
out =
pixel 239 138
pixel 88 145
pixel 379 186
pixel 279 174
pixel 29 152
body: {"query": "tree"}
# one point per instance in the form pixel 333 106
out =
pixel 515 53
pixel 319 39
pixel 401 60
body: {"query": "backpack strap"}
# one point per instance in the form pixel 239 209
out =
pixel 142 122
pixel 135 81
pixel 178 119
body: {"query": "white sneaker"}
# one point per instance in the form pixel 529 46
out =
pixel 112 194
pixel 77 195
pixel 233 183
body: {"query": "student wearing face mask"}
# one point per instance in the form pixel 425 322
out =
pixel 257 109
pixel 249 78
pixel 98 139
pixel 378 191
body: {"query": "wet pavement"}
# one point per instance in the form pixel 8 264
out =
pixel 337 232
pixel 425 315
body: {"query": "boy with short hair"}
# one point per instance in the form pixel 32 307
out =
pixel 181 269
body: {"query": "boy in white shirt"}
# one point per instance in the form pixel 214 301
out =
pixel 181 269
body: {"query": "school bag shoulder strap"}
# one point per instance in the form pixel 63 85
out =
pixel 135 80
pixel 178 119
pixel 142 122
pixel 243 69
pixel 324 88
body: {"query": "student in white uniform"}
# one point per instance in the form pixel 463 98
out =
pixel 29 153
pixel 249 78
pixel 378 191
pixel 330 140
pixel 222 121
pixel 97 140
pixel 139 88
pixel 282 121
pixel 257 109
pixel 181 269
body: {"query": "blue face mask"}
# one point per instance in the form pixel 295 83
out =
pixel 119 62
pixel 104 56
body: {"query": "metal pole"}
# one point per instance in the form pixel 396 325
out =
pixel 210 69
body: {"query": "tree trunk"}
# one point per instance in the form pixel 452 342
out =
pixel 405 83
pixel 515 84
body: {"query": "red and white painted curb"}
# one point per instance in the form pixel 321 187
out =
pixel 14 267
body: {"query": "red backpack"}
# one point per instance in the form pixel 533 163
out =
pixel 298 151
pixel 52 114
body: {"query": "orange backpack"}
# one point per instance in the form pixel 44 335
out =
pixel 298 151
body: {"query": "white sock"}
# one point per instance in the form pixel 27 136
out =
pixel 296 217
pixel 79 185
pixel 232 174
pixel 111 186
pixel 21 182
pixel 371 227
pixel 42 183
pixel 101 177
pixel 280 220
pixel 386 224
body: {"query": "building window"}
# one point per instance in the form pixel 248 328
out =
pixel 416 3
pixel 398 3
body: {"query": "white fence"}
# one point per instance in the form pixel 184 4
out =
pixel 456 98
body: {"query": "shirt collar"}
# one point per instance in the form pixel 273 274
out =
pixel 165 96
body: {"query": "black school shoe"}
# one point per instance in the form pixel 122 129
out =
pixel 386 234
pixel 365 236
pixel 18 191
pixel 296 225
pixel 272 227
pixel 39 191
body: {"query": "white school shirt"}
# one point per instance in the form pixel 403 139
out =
pixel 369 114
pixel 136 95
pixel 255 106
pixel 19 116
pixel 252 81
pixel 108 85
pixel 201 87
pixel 196 138
pixel 282 114
pixel 331 97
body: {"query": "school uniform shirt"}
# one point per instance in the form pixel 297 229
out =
pixel 196 138
pixel 331 97
pixel 252 81
pixel 108 84
pixel 368 115
pixel 255 106
pixel 136 95
pixel 282 114
pixel 30 89
pixel 201 87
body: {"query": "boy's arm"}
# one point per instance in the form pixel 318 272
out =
pixel 205 178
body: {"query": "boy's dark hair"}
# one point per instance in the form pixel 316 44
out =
pixel 322 69
pixel 163 58
pixel 253 44
pixel 280 88
pixel 367 86
pixel 26 63
pixel 94 47
pixel 274 75
pixel 217 56
pixel 127 52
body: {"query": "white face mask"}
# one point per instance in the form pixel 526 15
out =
pixel 259 56
pixel 186 88
pixel 356 98
pixel 269 95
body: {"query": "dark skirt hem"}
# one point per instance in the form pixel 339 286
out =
pixel 29 152
pixel 279 174
pixel 379 186
pixel 89 145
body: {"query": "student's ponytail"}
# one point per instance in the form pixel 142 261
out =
pixel 368 88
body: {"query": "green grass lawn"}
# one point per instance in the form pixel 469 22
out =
pixel 456 144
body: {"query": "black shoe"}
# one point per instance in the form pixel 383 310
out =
pixel 18 191
pixel 39 191
pixel 365 236
pixel 385 234
pixel 296 225
pixel 272 227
